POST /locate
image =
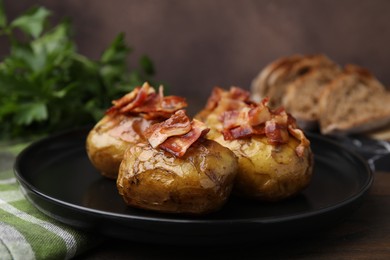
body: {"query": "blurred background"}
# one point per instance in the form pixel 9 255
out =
pixel 198 44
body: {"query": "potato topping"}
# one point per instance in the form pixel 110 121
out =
pixel 275 161
pixel 176 134
pixel 133 113
pixel 242 118
pixel 145 102
pixel 125 124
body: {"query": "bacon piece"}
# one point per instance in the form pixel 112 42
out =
pixel 161 108
pixel 276 128
pixel 132 99
pixel 234 118
pixel 242 118
pixel 304 142
pixel 178 145
pixel 230 105
pixel 126 99
pixel 172 103
pixel 144 92
pixel 275 132
pixel 176 134
pixel 238 132
pixel 158 102
pixel 230 119
pixel 214 98
pixel 146 102
pixel 259 115
pixel 177 124
pixel 235 94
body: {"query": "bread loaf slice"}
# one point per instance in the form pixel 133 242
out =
pixel 302 95
pixel 354 102
pixel 274 78
pixel 260 86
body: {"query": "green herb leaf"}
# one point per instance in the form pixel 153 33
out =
pixel 32 22
pixel 46 86
pixel 30 112
pixel 117 52
pixel 147 65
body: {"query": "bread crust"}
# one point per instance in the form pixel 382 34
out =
pixel 308 85
pixel 274 78
pixel 360 108
pixel 302 95
pixel 260 85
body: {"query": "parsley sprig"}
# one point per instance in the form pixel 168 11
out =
pixel 47 86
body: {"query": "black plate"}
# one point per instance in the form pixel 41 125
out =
pixel 57 177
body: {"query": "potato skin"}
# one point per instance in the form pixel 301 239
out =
pixel 106 151
pixel 267 172
pixel 200 182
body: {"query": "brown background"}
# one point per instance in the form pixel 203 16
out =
pixel 197 44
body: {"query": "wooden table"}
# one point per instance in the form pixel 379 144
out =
pixel 365 234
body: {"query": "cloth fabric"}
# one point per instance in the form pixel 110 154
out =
pixel 25 232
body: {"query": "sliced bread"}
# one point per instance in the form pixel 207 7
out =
pixel 354 102
pixel 260 86
pixel 274 78
pixel 302 95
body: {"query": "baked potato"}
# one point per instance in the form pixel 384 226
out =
pixel 275 161
pixel 196 182
pixel 124 125
pixel 268 172
pixel 106 146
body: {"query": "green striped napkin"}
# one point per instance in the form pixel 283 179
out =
pixel 25 232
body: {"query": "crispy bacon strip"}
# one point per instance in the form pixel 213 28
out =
pixel 144 101
pixel 178 145
pixel 132 99
pixel 298 134
pixel 242 118
pixel 177 124
pixel 176 134
pixel 238 132
pixel 146 91
pixel 214 98
pixel 239 94
pixel 234 94
pixel 234 118
pixel 276 133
